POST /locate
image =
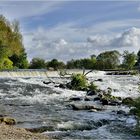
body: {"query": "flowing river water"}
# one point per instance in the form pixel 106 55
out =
pixel 34 104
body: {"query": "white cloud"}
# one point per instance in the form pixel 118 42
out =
pixel 22 9
pixel 129 38
pixel 65 42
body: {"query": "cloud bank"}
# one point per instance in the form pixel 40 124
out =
pixel 42 43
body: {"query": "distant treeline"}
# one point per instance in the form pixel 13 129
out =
pixel 13 55
pixel 105 60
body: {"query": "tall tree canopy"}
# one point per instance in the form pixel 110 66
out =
pixel 37 63
pixel 108 60
pixel 129 60
pixel 12 52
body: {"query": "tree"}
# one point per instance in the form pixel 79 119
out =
pixel 55 64
pixel 6 64
pixel 37 63
pixel 20 61
pixel 108 60
pixel 129 60
pixel 11 44
pixel 86 63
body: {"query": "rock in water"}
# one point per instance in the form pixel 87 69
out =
pixel 62 86
pixel 46 82
pixel 104 102
pixel 99 80
pixel 75 99
pixel 127 101
pixel 8 120
pixel 91 93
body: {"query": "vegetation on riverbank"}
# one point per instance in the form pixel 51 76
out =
pixel 12 52
pixel 109 60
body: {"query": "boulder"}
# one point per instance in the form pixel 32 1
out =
pixel 62 86
pixel 97 99
pixel 84 107
pixel 75 99
pixel 91 93
pixel 114 103
pixel 8 120
pixel 121 112
pixel 99 80
pixel 87 99
pixel 47 83
pixel 127 101
pixel 69 86
pixel 109 90
pixel 104 101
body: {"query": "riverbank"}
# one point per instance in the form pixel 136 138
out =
pixel 8 132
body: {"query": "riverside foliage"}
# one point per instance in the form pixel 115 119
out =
pixel 109 60
pixel 12 52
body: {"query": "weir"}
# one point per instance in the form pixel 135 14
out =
pixel 42 73
pixel 24 73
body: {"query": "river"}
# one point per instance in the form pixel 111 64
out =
pixel 34 104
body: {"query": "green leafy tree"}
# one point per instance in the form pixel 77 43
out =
pixel 87 63
pixel 55 64
pixel 129 60
pixel 6 64
pixel 108 60
pixel 20 61
pixel 37 63
pixel 10 43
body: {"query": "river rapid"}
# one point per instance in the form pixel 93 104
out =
pixel 34 104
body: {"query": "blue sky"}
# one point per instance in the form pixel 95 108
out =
pixel 75 29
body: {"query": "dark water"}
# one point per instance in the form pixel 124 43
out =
pixel 35 105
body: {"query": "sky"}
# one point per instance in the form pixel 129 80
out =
pixel 73 29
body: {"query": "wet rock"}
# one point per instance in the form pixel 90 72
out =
pixel 8 120
pixel 97 99
pixel 69 86
pixel 91 92
pixel 127 101
pixel 99 80
pixel 81 107
pixel 87 99
pixel 40 129
pixel 121 112
pixel 115 90
pixel 93 110
pixel 84 107
pixel 109 90
pixel 62 86
pixel 104 102
pixel 114 103
pixel 134 111
pixel 47 83
pixel 75 99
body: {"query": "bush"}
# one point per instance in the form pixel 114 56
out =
pixel 78 81
pixel 93 87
